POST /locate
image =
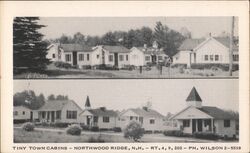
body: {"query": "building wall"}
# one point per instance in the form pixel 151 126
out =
pixel 64 57
pixel 192 113
pixel 85 60
pixel 107 125
pixel 183 57
pixel 70 107
pixel 221 130
pixel 136 57
pixel 51 51
pixel 23 113
pixel 212 47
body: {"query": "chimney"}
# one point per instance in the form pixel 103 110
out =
pixel 103 108
pixel 194 99
pixel 87 103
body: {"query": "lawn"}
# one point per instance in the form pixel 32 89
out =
pixel 153 73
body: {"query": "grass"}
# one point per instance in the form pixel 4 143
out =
pixel 153 73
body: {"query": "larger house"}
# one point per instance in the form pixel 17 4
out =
pixel 98 117
pixel 150 119
pixel 198 118
pixel 141 56
pixel 65 111
pixel 213 50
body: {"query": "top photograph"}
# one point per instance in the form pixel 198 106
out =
pixel 125 47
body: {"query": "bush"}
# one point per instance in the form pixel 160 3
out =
pixel 94 129
pixel 62 65
pixel 133 131
pixel 87 67
pixel 128 67
pixel 28 126
pixel 117 129
pixel 106 67
pixel 61 124
pixel 177 133
pixel 74 129
pixel 206 135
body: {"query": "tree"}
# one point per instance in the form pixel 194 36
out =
pixel 79 38
pixel 29 50
pixel 109 39
pixel 51 97
pixel 186 33
pixel 168 39
pixel 64 39
pixel 134 131
pixel 61 97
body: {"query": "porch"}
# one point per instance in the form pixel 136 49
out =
pixel 49 116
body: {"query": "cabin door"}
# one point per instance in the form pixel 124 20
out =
pixel 116 59
pixel 31 116
pixel 153 59
pixel 199 125
pixel 88 120
pixel 193 125
pixel 74 58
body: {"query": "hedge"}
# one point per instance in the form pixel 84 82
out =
pixel 206 135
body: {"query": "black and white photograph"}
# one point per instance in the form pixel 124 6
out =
pixel 58 111
pixel 125 47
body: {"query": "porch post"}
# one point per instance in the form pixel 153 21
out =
pixel 212 125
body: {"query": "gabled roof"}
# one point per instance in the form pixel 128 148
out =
pixel 146 113
pixel 102 112
pixel 116 49
pixel 190 44
pixel 56 105
pixel 193 96
pixel 217 113
pixel 75 47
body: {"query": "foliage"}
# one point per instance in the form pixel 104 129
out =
pixel 61 124
pixel 28 126
pixel 106 67
pixel 29 50
pixel 96 140
pixel 177 133
pixel 29 99
pixel 117 129
pixel 60 64
pixel 94 128
pixel 133 131
pixel 74 129
pixel 206 135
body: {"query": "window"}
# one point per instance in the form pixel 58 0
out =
pixel 152 121
pixel 105 119
pixel 67 57
pixel 126 57
pixel 53 56
pixel 23 112
pixel 131 117
pixel 97 56
pixel 111 58
pixel 160 58
pixel 87 57
pixel 71 114
pixel 211 57
pixel 216 57
pixel 121 57
pixel 141 119
pixel 15 113
pixel 206 57
pixel 186 123
pixel 226 123
pixel 147 58
pixel 58 114
pixel 81 57
pixel 235 57
pixel 95 119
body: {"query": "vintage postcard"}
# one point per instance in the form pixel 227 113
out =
pixel 137 76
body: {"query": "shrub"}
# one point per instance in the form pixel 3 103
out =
pixel 61 124
pixel 117 129
pixel 87 67
pixel 28 126
pixel 74 129
pixel 177 133
pixel 206 135
pixel 133 131
pixel 128 67
pixel 84 127
pixel 106 67
pixel 62 65
pixel 94 128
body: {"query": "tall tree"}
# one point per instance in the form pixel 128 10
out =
pixel 51 97
pixel 109 39
pixel 79 38
pixel 29 50
pixel 61 97
pixel 168 39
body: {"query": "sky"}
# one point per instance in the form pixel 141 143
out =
pixel 166 95
pixel 199 26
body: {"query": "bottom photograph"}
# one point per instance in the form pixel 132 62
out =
pixel 126 111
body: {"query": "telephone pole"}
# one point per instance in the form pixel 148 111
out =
pixel 231 48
